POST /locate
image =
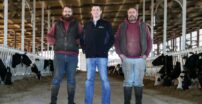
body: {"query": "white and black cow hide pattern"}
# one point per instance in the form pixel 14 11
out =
pixel 25 60
pixel 5 74
pixel 192 74
pixel 167 74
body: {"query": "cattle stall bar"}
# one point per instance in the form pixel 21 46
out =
pixel 21 70
pixel 177 56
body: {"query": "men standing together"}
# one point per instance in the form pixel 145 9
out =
pixel 132 44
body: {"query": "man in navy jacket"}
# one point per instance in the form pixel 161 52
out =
pixel 96 41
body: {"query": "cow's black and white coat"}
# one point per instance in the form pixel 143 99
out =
pixel 23 59
pixel 5 73
pixel 192 73
pixel 167 74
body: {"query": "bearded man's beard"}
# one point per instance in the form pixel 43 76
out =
pixel 132 18
pixel 67 18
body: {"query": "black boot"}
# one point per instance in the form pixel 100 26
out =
pixel 54 94
pixel 127 94
pixel 138 95
pixel 71 93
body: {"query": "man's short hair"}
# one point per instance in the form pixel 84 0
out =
pixel 132 8
pixel 67 6
pixel 97 5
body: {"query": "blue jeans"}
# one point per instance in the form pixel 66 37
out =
pixel 64 64
pixel 133 70
pixel 101 64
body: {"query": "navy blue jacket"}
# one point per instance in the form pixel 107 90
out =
pixel 97 39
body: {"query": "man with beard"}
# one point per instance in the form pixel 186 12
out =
pixel 96 41
pixel 133 44
pixel 64 35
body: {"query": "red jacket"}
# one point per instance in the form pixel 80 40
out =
pixel 133 45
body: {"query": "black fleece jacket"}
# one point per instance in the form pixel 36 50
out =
pixel 97 39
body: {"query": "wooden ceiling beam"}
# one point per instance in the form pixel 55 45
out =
pixel 117 14
pixel 61 3
pixel 80 11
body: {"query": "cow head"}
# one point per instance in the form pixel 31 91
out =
pixel 159 60
pixel 35 70
pixel 184 81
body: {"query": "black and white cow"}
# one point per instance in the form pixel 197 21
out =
pixel 192 73
pixel 183 81
pixel 5 74
pixel 8 77
pixel 110 69
pixel 3 70
pixel 49 63
pixel 36 71
pixel 120 69
pixel 167 73
pixel 25 60
pixel 199 71
pixel 20 59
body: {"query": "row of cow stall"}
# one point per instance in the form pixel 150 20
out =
pixel 16 64
pixel 182 69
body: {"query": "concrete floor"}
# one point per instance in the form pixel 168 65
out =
pixel 41 94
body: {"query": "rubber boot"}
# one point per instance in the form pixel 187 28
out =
pixel 71 94
pixel 54 94
pixel 138 95
pixel 127 94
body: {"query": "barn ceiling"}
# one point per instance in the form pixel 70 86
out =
pixel 113 11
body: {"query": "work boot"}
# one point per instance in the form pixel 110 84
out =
pixel 71 93
pixel 54 94
pixel 138 95
pixel 127 94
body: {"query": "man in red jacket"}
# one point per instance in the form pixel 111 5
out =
pixel 133 44
pixel 65 36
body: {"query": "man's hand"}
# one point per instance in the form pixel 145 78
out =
pixel 144 57
pixel 122 57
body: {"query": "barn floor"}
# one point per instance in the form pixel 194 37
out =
pixel 32 91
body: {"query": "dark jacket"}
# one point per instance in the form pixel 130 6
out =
pixel 97 40
pixel 64 35
pixel 66 40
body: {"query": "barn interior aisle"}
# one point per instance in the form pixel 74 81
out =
pixel 39 93
pixel 173 69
